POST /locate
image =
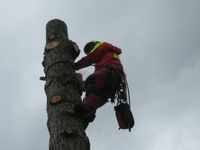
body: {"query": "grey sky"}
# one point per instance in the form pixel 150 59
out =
pixel 160 40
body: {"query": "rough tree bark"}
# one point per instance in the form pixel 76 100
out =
pixel 63 90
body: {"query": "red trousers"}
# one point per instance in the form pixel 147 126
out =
pixel 102 85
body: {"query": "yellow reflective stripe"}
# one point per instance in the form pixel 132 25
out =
pixel 116 56
pixel 96 46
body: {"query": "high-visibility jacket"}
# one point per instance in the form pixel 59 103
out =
pixel 102 55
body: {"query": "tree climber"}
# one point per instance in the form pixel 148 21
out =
pixel 104 82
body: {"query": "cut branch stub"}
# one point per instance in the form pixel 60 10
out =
pixel 56 99
pixel 68 132
pixel 48 82
pixel 52 44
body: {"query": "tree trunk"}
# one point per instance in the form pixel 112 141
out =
pixel 63 90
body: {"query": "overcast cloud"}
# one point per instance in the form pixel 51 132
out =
pixel 160 40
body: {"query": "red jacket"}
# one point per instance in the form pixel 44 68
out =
pixel 106 54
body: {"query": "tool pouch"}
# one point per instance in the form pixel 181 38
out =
pixel 124 116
